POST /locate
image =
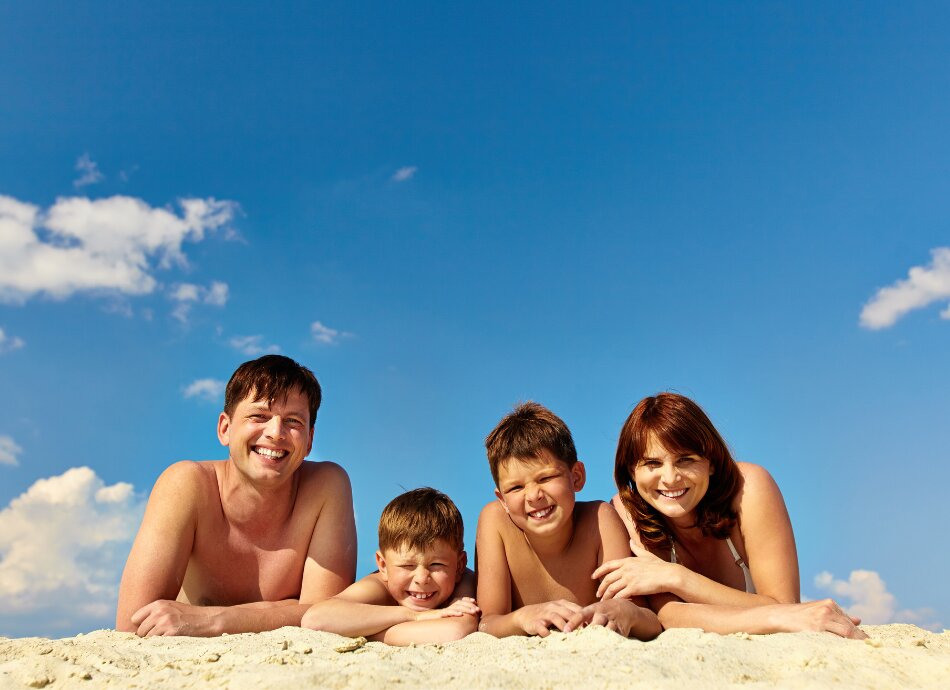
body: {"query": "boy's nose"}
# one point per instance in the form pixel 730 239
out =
pixel 422 575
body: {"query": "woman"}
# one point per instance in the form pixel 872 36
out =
pixel 713 542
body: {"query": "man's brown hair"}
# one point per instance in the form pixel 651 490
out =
pixel 418 519
pixel 525 432
pixel 270 378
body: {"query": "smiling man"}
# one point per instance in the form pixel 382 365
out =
pixel 248 543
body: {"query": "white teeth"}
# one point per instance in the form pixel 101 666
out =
pixel 422 595
pixel 543 513
pixel 268 453
pixel 671 494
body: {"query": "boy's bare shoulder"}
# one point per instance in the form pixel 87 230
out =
pixel 369 590
pixel 493 514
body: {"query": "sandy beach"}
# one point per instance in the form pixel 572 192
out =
pixel 895 656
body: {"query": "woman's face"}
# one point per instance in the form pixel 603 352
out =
pixel 674 484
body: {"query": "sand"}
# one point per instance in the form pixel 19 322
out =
pixel 896 656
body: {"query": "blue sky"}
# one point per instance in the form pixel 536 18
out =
pixel 476 205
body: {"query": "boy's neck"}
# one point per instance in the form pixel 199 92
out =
pixel 552 545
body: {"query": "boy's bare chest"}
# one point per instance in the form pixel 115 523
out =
pixel 568 576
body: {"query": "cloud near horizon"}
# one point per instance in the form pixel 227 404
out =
pixel 210 390
pixel 871 602
pixel 62 547
pixel 113 244
pixel 923 286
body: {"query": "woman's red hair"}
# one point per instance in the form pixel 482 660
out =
pixel 682 427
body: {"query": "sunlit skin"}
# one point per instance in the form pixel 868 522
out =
pixel 706 588
pixel 536 548
pixel 244 544
pixel 418 596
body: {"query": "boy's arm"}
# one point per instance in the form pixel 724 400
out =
pixel 364 608
pixel 429 631
pixel 494 586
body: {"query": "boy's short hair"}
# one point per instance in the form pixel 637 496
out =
pixel 525 432
pixel 418 519
pixel 270 378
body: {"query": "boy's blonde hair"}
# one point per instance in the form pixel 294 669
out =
pixel 525 432
pixel 418 519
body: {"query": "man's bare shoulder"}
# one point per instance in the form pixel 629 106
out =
pixel 188 480
pixel 323 477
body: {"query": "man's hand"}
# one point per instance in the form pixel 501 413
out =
pixel 166 617
pixel 638 575
pixel 538 619
pixel 459 607
pixel 618 615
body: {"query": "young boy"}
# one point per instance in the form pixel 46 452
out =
pixel 419 593
pixel 536 547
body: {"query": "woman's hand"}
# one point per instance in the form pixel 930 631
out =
pixel 638 575
pixel 817 616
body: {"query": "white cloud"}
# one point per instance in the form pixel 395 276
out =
pixel 90 172
pixel 9 343
pixel 113 244
pixel 9 451
pixel 205 389
pixel 252 345
pixel 62 547
pixel 216 295
pixel 404 174
pixel 923 286
pixel 326 335
pixel 870 600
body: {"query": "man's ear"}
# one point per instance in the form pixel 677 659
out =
pixel 578 476
pixel 460 571
pixel 224 429
pixel 501 500
pixel 309 443
pixel 381 564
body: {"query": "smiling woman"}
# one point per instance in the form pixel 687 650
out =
pixel 712 537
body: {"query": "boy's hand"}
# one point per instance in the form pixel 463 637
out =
pixel 638 575
pixel 618 615
pixel 538 619
pixel 459 607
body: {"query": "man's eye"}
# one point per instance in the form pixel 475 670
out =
pixel 258 417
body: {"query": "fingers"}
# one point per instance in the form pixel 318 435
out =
pixel 606 567
pixel 142 613
pixel 578 620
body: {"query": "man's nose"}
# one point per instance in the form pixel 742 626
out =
pixel 275 427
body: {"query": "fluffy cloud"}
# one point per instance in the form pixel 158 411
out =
pixel 923 286
pixel 325 334
pixel 62 547
pixel 404 174
pixel 187 294
pixel 9 343
pixel 252 345
pixel 89 170
pixel 113 244
pixel 870 600
pixel 9 451
pixel 205 389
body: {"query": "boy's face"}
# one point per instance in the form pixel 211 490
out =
pixel 538 493
pixel 268 441
pixel 421 579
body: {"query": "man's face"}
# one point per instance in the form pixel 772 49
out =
pixel 421 579
pixel 268 441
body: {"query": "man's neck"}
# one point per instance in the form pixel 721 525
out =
pixel 253 506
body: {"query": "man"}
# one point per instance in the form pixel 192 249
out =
pixel 244 544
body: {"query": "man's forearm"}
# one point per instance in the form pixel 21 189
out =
pixel 259 616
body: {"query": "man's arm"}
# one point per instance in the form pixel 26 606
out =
pixel 156 565
pixel 331 557
pixel 494 586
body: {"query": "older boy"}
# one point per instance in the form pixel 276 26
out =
pixel 416 595
pixel 244 544
pixel 536 547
